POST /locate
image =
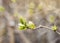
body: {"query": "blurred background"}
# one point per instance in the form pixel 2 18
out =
pixel 40 12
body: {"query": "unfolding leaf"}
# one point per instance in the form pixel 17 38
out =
pixel 31 25
pixel 21 27
pixel 54 27
pixel 22 20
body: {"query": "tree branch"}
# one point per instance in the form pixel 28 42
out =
pixel 41 26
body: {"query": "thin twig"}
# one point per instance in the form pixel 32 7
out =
pixel 41 26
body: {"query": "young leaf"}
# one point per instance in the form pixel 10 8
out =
pixel 2 8
pixel 31 25
pixel 22 20
pixel 54 27
pixel 21 27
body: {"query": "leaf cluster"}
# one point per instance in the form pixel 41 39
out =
pixel 23 25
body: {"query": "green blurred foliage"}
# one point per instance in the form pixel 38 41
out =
pixel 14 1
pixel 52 19
pixel 2 9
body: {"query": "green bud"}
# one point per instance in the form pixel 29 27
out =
pixel 31 25
pixel 22 27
